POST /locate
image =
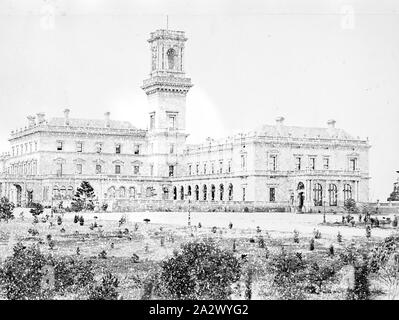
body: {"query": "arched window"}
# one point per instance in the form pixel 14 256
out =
pixel 181 193
pixel 111 192
pixel 204 192
pixel 122 192
pixel 63 192
pixel 213 191
pixel 318 194
pixel 174 193
pixel 347 192
pixel 230 192
pixel 332 194
pixel 196 192
pixel 56 192
pixel 132 192
pixel 171 58
pixel 70 192
pixel 221 192
pixel 189 191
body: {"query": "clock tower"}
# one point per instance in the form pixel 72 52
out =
pixel 166 89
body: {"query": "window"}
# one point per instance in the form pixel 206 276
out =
pixel 326 163
pixel 59 145
pixel 204 168
pixel 332 194
pixel 79 147
pixel 243 162
pixel 347 192
pixel 13 151
pixel 136 149
pixel 171 58
pixel 35 146
pixel 152 121
pixel 213 167
pixel 318 194
pixel 30 147
pixel 118 149
pixel 151 170
pixel 171 148
pixel 273 162
pixel 229 166
pixel 59 169
pixel 353 164
pixel 298 163
pixel 136 169
pixel 99 147
pixel 117 169
pixel 189 169
pixel 172 122
pixel 243 194
pixel 98 169
pixel 197 169
pixel 220 166
pixel 312 163
pixel 79 168
pixel 171 171
pixel 272 194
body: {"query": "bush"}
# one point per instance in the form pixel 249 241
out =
pixel 37 209
pixel 339 237
pixel 76 219
pixel 350 206
pixel 296 236
pixel 311 244
pixel 81 221
pixel 21 275
pixel 59 220
pixel 201 271
pixel 107 289
pixel 6 209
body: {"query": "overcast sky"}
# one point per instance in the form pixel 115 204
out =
pixel 249 60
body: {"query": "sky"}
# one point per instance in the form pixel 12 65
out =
pixel 250 61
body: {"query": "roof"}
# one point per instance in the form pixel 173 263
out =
pixel 90 123
pixel 304 132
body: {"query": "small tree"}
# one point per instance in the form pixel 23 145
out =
pixel 83 198
pixel 6 209
pixel 107 289
pixel 350 206
pixel 201 271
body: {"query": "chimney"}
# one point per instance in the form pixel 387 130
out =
pixel 279 124
pixel 331 123
pixel 40 118
pixel 66 116
pixel 31 120
pixel 107 119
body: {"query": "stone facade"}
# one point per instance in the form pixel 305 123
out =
pixel 273 166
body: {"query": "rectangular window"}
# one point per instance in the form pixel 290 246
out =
pixel 136 149
pixel 30 147
pixel 60 145
pixel 298 163
pixel 98 169
pixel 272 194
pixel 13 151
pixel 243 162
pixel 220 166
pixel 171 148
pixel 213 168
pixel 118 148
pixel 204 168
pixel 35 146
pixel 136 169
pixel 79 168
pixel 189 169
pixel 243 194
pixel 172 122
pixel 312 163
pixel 353 164
pixel 117 169
pixel 326 163
pixel 273 163
pixel 151 170
pixel 171 171
pixel 152 121
pixel 59 169
pixel 229 167
pixel 197 169
pixel 79 147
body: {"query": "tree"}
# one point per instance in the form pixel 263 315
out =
pixel 201 270
pixel 350 205
pixel 36 209
pixel 6 209
pixel 83 198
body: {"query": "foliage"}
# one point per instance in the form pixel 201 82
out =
pixel 6 209
pixel 21 274
pixel 81 221
pixel 201 270
pixel 107 289
pixel 361 289
pixel 311 244
pixel 76 219
pixel 36 209
pixel 350 206
pixel 296 236
pixel 83 198
pixel 339 237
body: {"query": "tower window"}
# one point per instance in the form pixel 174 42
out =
pixel 99 147
pixel 136 149
pixel 118 148
pixel 152 121
pixel 79 168
pixel 60 146
pixel 172 122
pixel 136 169
pixel 273 162
pixel 79 147
pixel 171 58
pixel 117 169
pixel 298 163
pixel 98 169
pixel 272 194
pixel 312 164
pixel 171 171
pixel 353 164
pixel 326 163
pixel 171 148
pixel 189 170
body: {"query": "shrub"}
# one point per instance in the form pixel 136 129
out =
pixel 230 225
pixel 201 271
pixel 339 237
pixel 59 220
pixel 317 234
pixel 6 209
pixel 21 274
pixel 33 232
pixel 368 232
pixel 135 258
pixel 311 244
pixel 107 289
pixel 395 222
pixel 350 205
pixel 296 236
pixel 81 221
pixel 261 242
pixel 103 254
pixel 36 209
pixel 214 229
pixel 76 219
pixel 122 221
pixel 331 250
pixel 104 207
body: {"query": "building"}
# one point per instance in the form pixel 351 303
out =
pixel 273 166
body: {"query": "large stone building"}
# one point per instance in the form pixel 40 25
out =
pixel 275 165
